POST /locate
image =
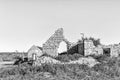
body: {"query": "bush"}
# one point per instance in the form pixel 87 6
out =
pixel 96 42
pixel 110 68
pixel 103 71
pixel 100 58
pixel 68 57
pixel 62 58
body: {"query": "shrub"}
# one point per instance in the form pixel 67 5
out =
pixel 68 57
pixel 103 71
pixel 110 68
pixel 96 42
pixel 101 58
pixel 62 58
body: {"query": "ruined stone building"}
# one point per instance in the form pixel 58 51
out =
pixel 91 49
pixel 110 50
pixel 114 49
pixel 51 46
pixel 34 51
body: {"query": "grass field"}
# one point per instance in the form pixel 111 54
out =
pixel 109 69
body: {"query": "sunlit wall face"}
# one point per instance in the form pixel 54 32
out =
pixel 27 22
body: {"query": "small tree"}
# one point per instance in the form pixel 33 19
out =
pixel 95 41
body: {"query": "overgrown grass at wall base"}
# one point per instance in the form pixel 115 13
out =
pixel 68 57
pixel 104 71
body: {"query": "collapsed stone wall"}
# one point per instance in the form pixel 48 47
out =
pixel 114 49
pixel 88 61
pixel 52 44
pixel 90 49
pixel 34 50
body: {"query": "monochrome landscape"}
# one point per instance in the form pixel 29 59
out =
pixel 86 59
pixel 59 40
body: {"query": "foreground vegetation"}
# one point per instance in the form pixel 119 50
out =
pixel 109 69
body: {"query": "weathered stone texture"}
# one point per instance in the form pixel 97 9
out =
pixel 51 45
pixel 114 49
pixel 90 49
pixel 44 59
pixel 34 50
pixel 99 50
pixel 88 61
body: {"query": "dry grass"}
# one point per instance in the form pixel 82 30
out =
pixel 110 70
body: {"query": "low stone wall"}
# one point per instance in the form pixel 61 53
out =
pixel 88 61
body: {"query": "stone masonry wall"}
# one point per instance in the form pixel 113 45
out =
pixel 34 50
pixel 51 45
pixel 90 49
pixel 114 49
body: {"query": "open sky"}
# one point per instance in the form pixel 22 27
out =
pixel 24 23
